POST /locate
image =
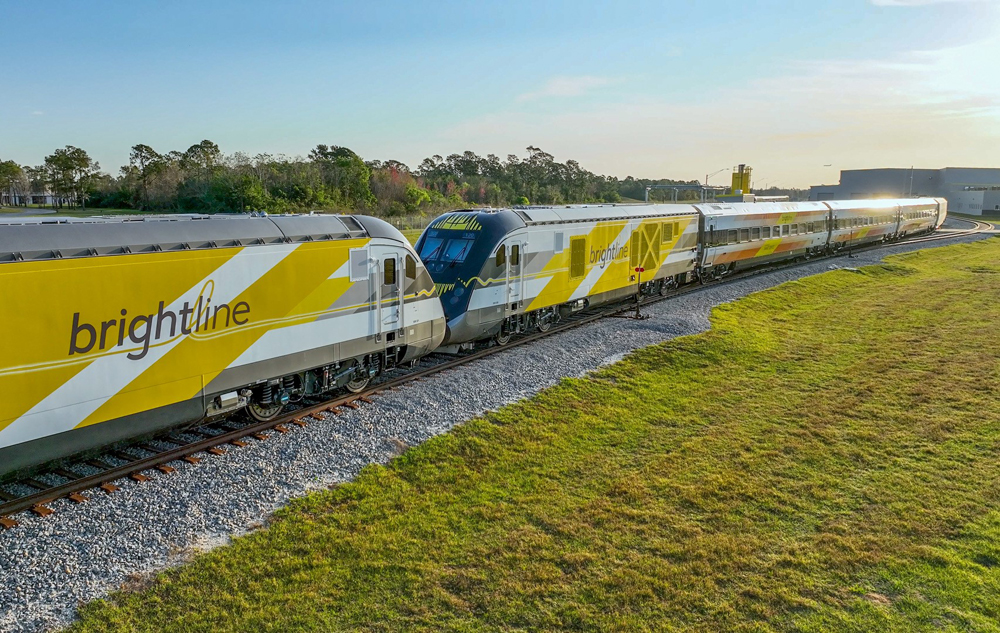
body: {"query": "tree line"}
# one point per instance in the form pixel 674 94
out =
pixel 202 179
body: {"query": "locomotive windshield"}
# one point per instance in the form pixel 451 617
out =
pixel 438 249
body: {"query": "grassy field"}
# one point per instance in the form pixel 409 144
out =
pixel 412 234
pixel 824 459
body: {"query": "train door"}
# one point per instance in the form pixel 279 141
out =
pixel 515 275
pixel 387 280
pixel 708 244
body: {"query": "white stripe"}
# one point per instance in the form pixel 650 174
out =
pixel 339 329
pixel 80 396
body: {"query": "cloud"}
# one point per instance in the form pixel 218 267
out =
pixel 37 113
pixel 934 108
pixel 566 87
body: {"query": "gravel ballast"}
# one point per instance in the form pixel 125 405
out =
pixel 51 565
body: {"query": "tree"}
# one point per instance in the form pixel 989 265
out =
pixel 146 162
pixel 68 172
pixel 12 180
pixel 344 171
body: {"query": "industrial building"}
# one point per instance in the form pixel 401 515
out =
pixel 973 191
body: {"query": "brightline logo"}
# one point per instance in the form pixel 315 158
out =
pixel 147 329
pixel 607 254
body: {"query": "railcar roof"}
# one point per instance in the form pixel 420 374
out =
pixel 883 203
pixel 592 212
pixel 758 208
pixel 39 238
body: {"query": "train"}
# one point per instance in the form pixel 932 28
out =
pixel 121 328
pixel 508 271
pixel 115 329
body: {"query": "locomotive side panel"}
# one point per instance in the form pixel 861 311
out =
pixel 127 345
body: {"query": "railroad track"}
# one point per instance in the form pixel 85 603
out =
pixel 71 480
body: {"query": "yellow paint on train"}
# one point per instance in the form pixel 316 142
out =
pixel 294 291
pixel 35 358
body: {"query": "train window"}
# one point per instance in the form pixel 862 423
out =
pixel 812 227
pixel 784 230
pixel 765 232
pixel 667 232
pixel 515 255
pixel 501 259
pixel 389 271
pixel 755 233
pixel 744 235
pixel 411 267
pixel 578 257
pixel 431 249
pixel 455 251
pixel 795 229
pixel 732 237
pixel 802 229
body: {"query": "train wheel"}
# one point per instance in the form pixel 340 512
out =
pixel 502 338
pixel 357 386
pixel 264 412
pixel 545 320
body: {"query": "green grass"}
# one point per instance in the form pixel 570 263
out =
pixel 824 459
pixel 412 234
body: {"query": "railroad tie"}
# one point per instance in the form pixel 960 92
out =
pixel 41 510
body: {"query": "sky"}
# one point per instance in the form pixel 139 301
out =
pixel 799 89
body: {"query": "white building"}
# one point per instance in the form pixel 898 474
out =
pixel 972 191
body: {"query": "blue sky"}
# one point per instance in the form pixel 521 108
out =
pixel 668 89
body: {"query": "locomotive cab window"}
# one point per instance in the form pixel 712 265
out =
pixel 389 271
pixel 501 259
pixel 515 254
pixel 411 267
